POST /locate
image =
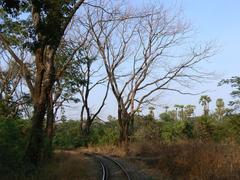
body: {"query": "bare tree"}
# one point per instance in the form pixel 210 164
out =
pixel 9 81
pixel 90 74
pixel 82 76
pixel 141 55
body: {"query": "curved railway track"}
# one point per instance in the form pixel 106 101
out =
pixel 110 168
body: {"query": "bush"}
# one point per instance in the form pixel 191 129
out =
pixel 110 136
pixel 231 128
pixel 67 135
pixel 189 159
pixel 166 117
pixel 176 130
pixel 148 132
pixel 188 129
pixel 13 138
pixel 204 128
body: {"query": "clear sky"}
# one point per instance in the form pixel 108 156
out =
pixel 217 20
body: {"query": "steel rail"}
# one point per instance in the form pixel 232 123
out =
pixel 119 165
pixel 105 171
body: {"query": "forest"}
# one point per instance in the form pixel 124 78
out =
pixel 107 54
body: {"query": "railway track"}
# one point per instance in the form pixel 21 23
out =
pixel 110 168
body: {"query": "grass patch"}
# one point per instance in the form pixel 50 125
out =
pixel 191 160
pixel 64 165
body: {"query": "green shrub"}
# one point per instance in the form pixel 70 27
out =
pixel 67 135
pixel 206 128
pixel 172 131
pixel 13 138
pixel 231 128
pixel 188 129
pixel 166 117
pixel 147 133
pixel 110 136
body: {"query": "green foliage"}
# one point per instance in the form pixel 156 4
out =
pixel 231 128
pixel 204 128
pixel 188 129
pixel 68 134
pixel 204 101
pixel 151 111
pixel 13 136
pixel 20 29
pixel 168 130
pixel 148 118
pixel 108 133
pixel 166 117
pixel 3 109
pixel 146 130
pixel 14 132
pixel 8 109
pixel 189 110
pixel 235 83
pixel 220 109
pixel 175 130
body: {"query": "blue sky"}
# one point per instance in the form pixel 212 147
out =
pixel 216 20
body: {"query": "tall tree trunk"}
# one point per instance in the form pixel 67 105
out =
pixel 50 117
pixel 40 94
pixel 86 127
pixel 124 122
pixel 49 127
pixel 206 111
pixel 81 120
pixel 88 123
pixel 33 152
pixel 131 125
pixel 123 135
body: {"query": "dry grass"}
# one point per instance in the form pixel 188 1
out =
pixel 191 160
pixel 183 160
pixel 66 165
pixel 111 150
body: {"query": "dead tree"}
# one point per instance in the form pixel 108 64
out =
pixel 144 52
pixel 9 81
pixel 92 79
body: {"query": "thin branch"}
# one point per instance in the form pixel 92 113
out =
pixel 25 69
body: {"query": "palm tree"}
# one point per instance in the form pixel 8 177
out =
pixel 172 114
pixel 220 109
pixel 166 108
pixel 204 101
pixel 177 106
pixel 181 114
pixel 139 111
pixel 189 110
pixel 151 110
